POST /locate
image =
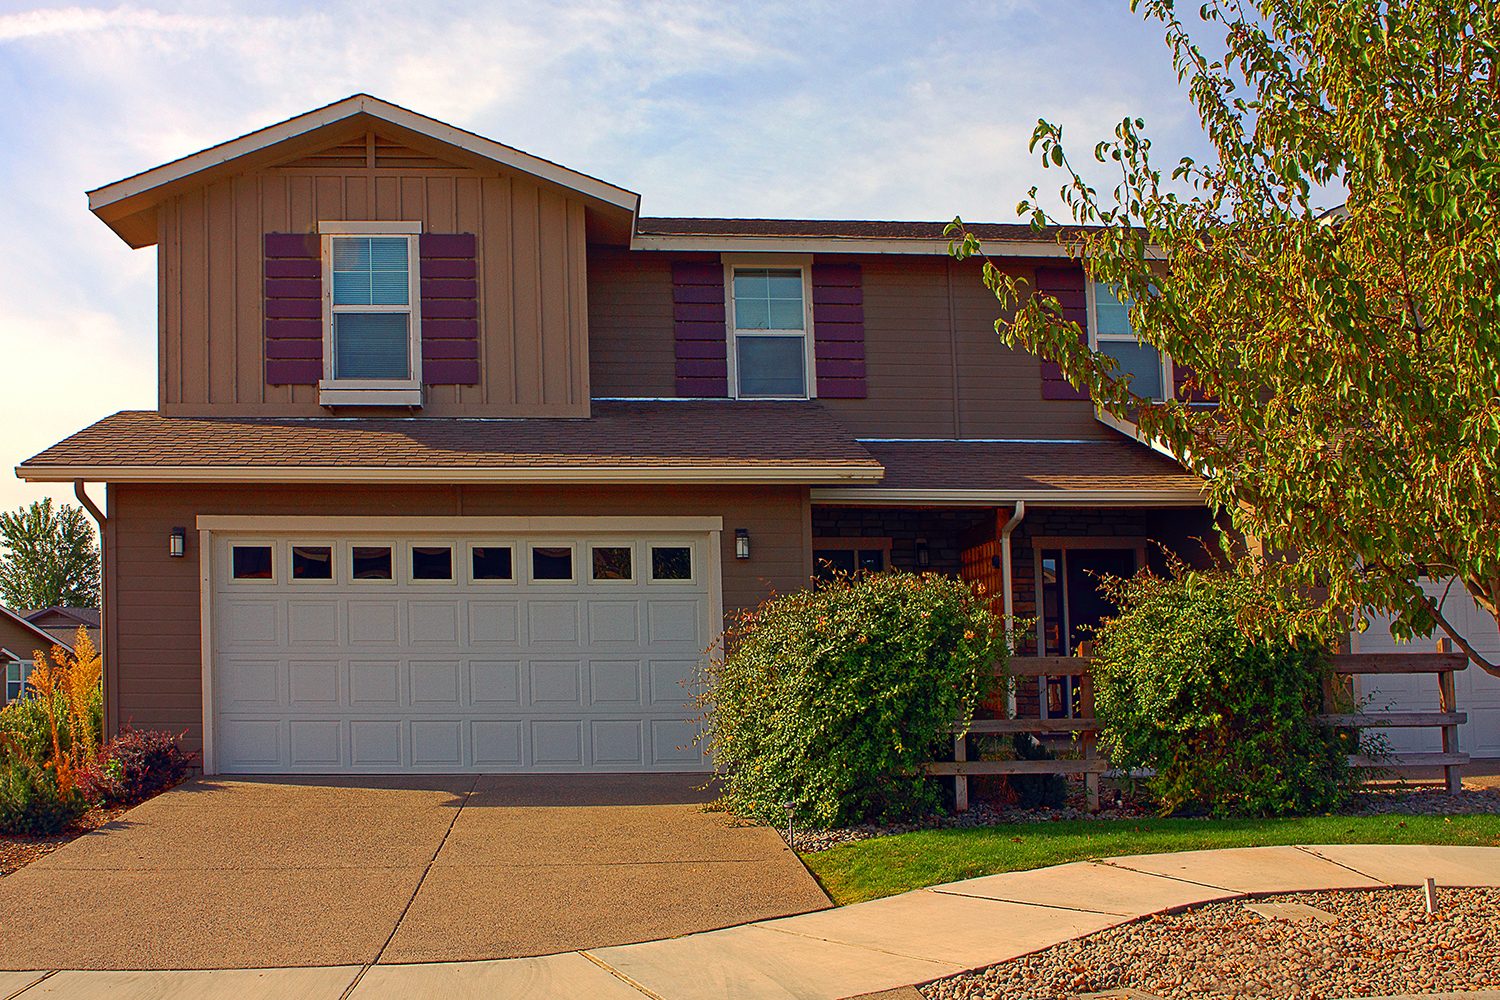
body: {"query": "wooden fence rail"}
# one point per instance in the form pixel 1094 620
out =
pixel 1443 663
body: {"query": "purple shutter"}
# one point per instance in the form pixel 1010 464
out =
pixel 450 309
pixel 839 330
pixel 294 309
pixel 698 313
pixel 1065 284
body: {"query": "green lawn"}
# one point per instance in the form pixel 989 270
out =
pixel 885 866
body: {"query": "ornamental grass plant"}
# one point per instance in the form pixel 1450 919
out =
pixel 1205 678
pixel 831 698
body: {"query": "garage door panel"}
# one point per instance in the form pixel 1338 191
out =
pixel 496 742
pixel 494 682
pixel 615 682
pixel 434 683
pixel 492 622
pixel 315 742
pixel 616 741
pixel 375 683
pixel 556 742
pixel 555 682
pixel 374 622
pixel 384 675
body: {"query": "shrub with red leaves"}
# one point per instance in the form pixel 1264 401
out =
pixel 139 763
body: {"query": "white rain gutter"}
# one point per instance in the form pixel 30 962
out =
pixel 1016 517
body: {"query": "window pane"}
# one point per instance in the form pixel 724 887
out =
pixel 13 672
pixel 370 345
pixel 828 563
pixel 252 562
pixel 492 562
pixel 872 560
pixel 1111 315
pixel 671 562
pixel 1140 361
pixel 312 562
pixel 370 270
pixel 552 563
pixel 767 299
pixel 612 563
pixel 431 562
pixel 371 563
pixel 771 366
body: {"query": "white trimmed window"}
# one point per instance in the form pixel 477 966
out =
pixel 372 320
pixel 769 306
pixel 1110 333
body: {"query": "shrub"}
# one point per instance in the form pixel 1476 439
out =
pixel 1202 677
pixel 31 801
pixel 832 698
pixel 1032 790
pixel 138 764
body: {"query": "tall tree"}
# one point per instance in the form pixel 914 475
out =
pixel 1355 355
pixel 50 557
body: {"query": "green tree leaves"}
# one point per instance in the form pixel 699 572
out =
pixel 1342 395
pixel 50 557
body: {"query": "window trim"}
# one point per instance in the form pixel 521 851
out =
pixel 784 262
pixel 1168 382
pixel 378 392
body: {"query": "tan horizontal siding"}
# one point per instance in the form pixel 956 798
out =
pixel 154 677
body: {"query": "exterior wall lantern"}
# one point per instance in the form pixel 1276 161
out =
pixel 177 543
pixel 924 556
pixel 742 543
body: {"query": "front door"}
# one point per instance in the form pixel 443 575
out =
pixel 1072 607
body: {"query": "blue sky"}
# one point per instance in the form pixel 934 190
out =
pixel 786 110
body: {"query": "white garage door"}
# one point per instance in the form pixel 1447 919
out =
pixel 497 652
pixel 1478 692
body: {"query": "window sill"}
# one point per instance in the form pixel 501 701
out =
pixel 332 396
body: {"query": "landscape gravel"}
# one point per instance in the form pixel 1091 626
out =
pixel 1372 801
pixel 1382 943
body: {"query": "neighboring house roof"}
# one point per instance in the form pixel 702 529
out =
pixel 58 617
pixel 1062 472
pixel 10 619
pixel 128 206
pixel 703 441
pixel 845 236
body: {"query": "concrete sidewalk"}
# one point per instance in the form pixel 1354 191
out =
pixel 870 947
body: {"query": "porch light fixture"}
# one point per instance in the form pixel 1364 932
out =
pixel 924 558
pixel 742 543
pixel 177 543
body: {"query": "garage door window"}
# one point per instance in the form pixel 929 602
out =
pixel 370 562
pixel 671 563
pixel 253 562
pixel 492 563
pixel 612 562
pixel 552 562
pixel 431 562
pixel 312 562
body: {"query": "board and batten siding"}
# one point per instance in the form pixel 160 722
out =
pixel 153 678
pixel 533 294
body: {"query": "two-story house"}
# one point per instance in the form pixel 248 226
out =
pixel 458 461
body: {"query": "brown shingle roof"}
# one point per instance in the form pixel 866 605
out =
pixel 721 439
pixel 832 228
pixel 1027 466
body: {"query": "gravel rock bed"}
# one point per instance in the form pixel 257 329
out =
pixel 1383 943
pixel 1377 801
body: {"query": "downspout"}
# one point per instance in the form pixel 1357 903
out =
pixel 88 505
pixel 1016 517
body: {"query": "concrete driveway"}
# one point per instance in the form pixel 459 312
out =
pixel 263 872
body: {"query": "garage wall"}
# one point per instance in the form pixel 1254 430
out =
pixel 153 677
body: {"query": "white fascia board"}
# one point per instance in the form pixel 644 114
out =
pixel 563 474
pixel 347 108
pixel 386 525
pixel 865 496
pixel 1133 432
pixel 836 244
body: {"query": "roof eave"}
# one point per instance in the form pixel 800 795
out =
pixel 622 474
pixel 1042 497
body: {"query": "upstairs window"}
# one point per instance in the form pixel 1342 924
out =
pixel 1110 333
pixel 769 324
pixel 372 342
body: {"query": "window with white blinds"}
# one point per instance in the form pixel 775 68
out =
pixel 1112 334
pixel 372 317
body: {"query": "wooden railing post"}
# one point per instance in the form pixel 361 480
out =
pixel 960 781
pixel 1448 703
pixel 1089 739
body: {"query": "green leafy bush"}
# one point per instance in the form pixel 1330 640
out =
pixel 831 698
pixel 1203 678
pixel 31 802
pixel 25 720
